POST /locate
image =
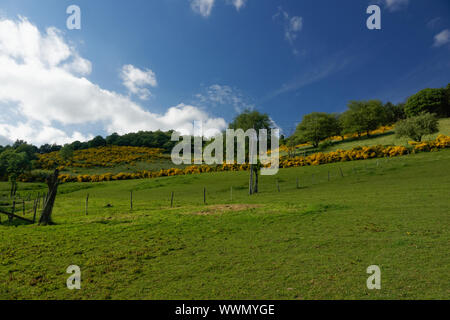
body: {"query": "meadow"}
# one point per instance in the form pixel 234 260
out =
pixel 313 241
pixel 387 138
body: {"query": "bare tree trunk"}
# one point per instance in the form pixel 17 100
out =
pixel 255 188
pixel 256 182
pixel 52 182
pixel 13 188
pixel 250 184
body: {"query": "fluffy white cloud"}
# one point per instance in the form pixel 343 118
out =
pixel 135 80
pixel 202 7
pixel 442 38
pixel 238 4
pixel 79 65
pixel 39 134
pixel 394 5
pixel 43 89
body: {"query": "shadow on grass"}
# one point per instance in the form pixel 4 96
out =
pixel 363 138
pixel 14 223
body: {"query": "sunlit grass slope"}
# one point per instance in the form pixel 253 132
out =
pixel 314 242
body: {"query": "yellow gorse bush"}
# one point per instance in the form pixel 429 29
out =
pixel 359 153
pixel 100 157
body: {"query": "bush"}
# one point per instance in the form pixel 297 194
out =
pixel 417 127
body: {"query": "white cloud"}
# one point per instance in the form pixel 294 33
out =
pixel 202 7
pixel 79 65
pixel 37 133
pixel 442 38
pixel 238 4
pixel 135 80
pixel 395 5
pixel 43 90
pixel 223 95
pixel 292 26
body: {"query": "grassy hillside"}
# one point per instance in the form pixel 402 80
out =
pixel 314 242
pixel 388 138
pixel 115 159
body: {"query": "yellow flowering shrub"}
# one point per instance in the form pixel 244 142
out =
pixel 109 156
pixel 359 153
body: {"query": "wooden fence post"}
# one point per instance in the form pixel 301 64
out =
pixel 204 195
pixel 171 200
pixel 297 184
pixel 131 199
pixel 13 211
pixel 278 186
pixel 35 209
pixel 87 204
pixel 23 207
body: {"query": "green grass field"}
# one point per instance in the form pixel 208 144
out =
pixel 314 242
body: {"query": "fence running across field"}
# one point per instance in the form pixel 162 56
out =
pixel 139 199
pixel 23 208
pixel 26 207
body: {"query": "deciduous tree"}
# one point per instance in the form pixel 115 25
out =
pixel 417 127
pixel 315 127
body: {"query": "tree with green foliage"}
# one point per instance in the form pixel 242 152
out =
pixel 417 127
pixel 249 119
pixel 316 127
pixel 98 141
pixel 428 100
pixel 66 153
pixel 252 119
pixel 447 100
pixel 12 165
pixel 47 148
pixel 337 129
pixel 393 113
pixel 30 150
pixel 291 144
pixel 363 116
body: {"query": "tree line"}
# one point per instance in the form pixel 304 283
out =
pixel 414 118
pixel 150 139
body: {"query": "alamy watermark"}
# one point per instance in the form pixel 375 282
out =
pixel 241 147
pixel 73 22
pixel 374 281
pixel 74 281
pixel 374 21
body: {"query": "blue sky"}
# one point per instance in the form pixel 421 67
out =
pixel 208 59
